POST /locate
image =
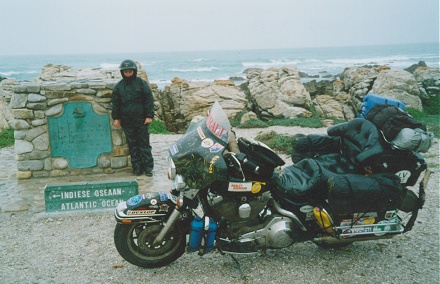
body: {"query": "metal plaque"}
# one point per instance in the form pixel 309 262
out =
pixel 80 135
pixel 88 196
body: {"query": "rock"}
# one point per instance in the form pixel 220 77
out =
pixel 400 85
pixel 51 72
pixel 413 67
pixel 118 162
pixel 428 79
pixel 18 101
pixel 327 106
pixel 357 81
pixel 279 92
pixel 59 163
pixel 248 116
pixel 30 165
pixel 5 114
pixel 57 109
pixel 237 78
pixel 323 87
pixel 22 146
pixel 20 124
pixel 183 100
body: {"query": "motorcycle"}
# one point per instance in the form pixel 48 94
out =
pixel 227 195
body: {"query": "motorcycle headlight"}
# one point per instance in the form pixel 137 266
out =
pixel 179 183
pixel 171 168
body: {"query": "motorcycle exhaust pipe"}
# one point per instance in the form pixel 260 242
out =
pixel 286 213
pixel 331 240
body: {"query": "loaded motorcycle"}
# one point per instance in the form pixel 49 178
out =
pixel 232 195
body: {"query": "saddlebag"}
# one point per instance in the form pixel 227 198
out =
pixel 352 193
pixel 407 165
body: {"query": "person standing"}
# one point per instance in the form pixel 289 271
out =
pixel 133 110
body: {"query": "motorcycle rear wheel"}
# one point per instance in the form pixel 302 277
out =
pixel 134 243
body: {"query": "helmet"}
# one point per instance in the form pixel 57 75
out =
pixel 127 64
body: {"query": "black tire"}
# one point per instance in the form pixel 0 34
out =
pixel 133 243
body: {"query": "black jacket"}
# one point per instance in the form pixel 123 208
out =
pixel 132 102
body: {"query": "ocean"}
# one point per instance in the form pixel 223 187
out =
pixel 162 67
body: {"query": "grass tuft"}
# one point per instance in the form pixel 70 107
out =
pixel 6 138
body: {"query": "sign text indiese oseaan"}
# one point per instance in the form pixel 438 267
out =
pixel 87 193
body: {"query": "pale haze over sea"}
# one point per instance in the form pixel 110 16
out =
pixel 161 67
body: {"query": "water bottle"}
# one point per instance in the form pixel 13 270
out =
pixel 211 229
pixel 195 238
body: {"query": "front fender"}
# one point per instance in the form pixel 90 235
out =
pixel 150 207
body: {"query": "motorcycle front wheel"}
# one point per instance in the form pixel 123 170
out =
pixel 134 243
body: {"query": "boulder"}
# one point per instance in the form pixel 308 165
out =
pixel 56 72
pixel 248 116
pixel 413 67
pixel 333 107
pixel 183 100
pixel 400 85
pixel 323 87
pixel 358 81
pixel 428 80
pixel 278 92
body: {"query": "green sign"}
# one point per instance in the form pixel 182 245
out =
pixel 80 135
pixel 88 196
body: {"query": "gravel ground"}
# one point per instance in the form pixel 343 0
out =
pixel 78 248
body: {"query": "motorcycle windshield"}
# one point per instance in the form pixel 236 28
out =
pixel 198 154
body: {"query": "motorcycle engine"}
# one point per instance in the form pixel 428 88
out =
pixel 248 226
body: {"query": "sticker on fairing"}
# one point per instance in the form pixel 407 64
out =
pixel 403 175
pixel 207 143
pixel 141 212
pixel 163 196
pixel 201 133
pixel 174 150
pixel 240 186
pixel 134 200
pixel 150 195
pixel 164 207
pixel 216 148
pixel 306 209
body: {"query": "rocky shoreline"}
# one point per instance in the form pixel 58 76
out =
pixel 266 94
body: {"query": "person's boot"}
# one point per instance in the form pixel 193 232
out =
pixel 137 171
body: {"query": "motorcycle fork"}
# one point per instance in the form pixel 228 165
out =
pixel 175 214
pixel 202 205
pixel 166 227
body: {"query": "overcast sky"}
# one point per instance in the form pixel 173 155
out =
pixel 116 26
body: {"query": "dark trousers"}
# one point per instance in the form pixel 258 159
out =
pixel 138 140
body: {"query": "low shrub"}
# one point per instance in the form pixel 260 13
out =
pixel 6 137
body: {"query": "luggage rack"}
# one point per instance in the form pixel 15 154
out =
pixel 376 229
